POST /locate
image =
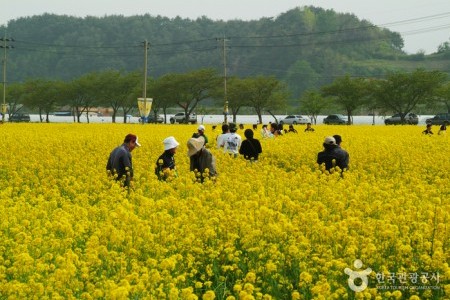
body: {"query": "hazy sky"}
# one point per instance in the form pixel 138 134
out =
pixel 423 24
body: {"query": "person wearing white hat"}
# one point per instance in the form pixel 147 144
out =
pixel 201 158
pixel 119 162
pixel 166 161
pixel 331 156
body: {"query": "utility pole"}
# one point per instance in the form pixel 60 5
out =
pixel 145 70
pixel 144 107
pixel 5 46
pixel 225 105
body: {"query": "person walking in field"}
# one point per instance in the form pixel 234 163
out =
pixel 331 156
pixel 251 147
pixel 427 130
pixel 309 128
pixel 442 129
pixel 345 154
pixel 201 159
pixel 166 161
pixel 201 133
pixel 292 129
pixel 220 139
pixel 232 141
pixel 120 163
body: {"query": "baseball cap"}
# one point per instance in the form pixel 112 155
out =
pixel 329 140
pixel 201 127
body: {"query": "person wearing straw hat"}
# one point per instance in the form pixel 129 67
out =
pixel 119 162
pixel 201 158
pixel 166 161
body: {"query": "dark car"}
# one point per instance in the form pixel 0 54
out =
pixel 410 118
pixel 335 119
pixel 20 118
pixel 439 119
pixel 151 119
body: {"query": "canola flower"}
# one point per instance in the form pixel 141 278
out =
pixel 276 229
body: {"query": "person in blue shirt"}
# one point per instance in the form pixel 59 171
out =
pixel 120 163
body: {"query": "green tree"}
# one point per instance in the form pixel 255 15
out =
pixel 402 92
pixel 14 98
pixel 267 94
pixel 161 101
pixel 82 94
pixel 349 93
pixel 188 89
pixel 238 93
pixel 443 95
pixel 115 89
pixel 313 103
pixel 43 95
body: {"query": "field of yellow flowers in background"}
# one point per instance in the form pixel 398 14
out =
pixel 276 229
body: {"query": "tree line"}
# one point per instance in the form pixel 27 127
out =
pixel 305 48
pixel 398 92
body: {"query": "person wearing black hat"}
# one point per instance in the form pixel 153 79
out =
pixel 119 162
pixel 331 156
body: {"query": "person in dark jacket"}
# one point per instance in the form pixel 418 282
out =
pixel 292 129
pixel 331 156
pixel 201 159
pixel 120 163
pixel 166 161
pixel 427 130
pixel 345 154
pixel 251 147
pixel 309 128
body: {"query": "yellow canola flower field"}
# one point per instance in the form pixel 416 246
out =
pixel 279 228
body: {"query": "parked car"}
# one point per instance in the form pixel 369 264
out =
pixel 294 119
pixel 439 119
pixel 20 118
pixel 151 119
pixel 181 117
pixel 410 118
pixel 335 119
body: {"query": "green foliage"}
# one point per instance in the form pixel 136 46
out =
pixel 313 103
pixel 349 93
pixel 402 92
pixel 64 47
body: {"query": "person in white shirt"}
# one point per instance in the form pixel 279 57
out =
pixel 232 141
pixel 220 138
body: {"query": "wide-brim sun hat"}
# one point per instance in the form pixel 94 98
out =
pixel 170 143
pixel 194 145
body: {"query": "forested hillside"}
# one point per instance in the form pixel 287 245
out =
pixel 305 47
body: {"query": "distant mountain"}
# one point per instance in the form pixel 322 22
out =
pixel 306 47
